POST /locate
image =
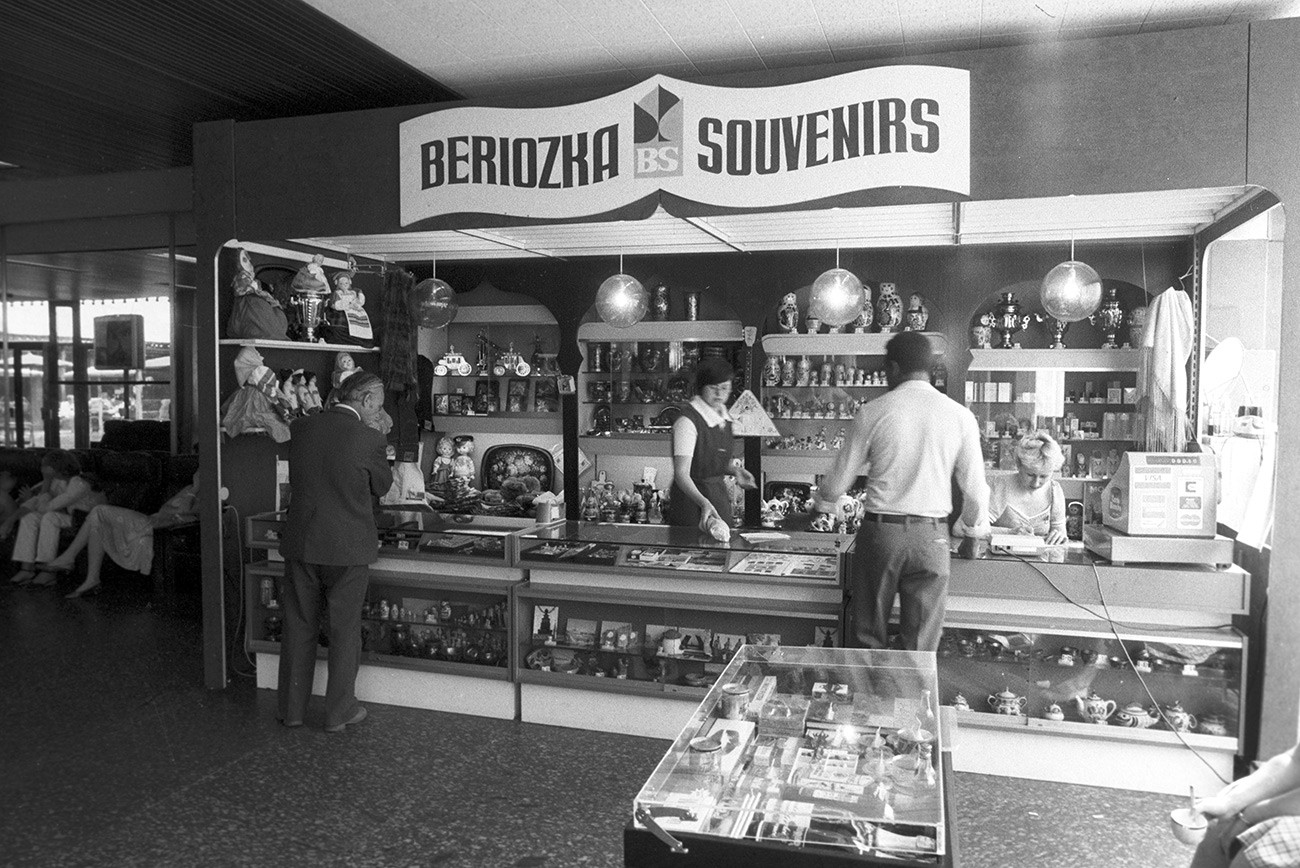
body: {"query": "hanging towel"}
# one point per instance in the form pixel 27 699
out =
pixel 1162 370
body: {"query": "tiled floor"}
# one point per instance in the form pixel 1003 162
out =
pixel 113 753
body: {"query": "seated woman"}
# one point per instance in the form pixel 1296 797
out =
pixel 124 535
pixel 44 512
pixel 1029 501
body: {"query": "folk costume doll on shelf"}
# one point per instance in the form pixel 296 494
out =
pixel 462 466
pixel 346 314
pixel 258 406
pixel 440 473
pixel 255 313
pixel 344 367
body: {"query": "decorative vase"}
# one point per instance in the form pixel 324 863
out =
pixel 889 308
pixel 1109 318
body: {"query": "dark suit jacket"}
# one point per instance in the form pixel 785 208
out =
pixel 336 470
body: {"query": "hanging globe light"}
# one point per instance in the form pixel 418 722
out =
pixel 435 303
pixel 622 301
pixel 1071 291
pixel 837 297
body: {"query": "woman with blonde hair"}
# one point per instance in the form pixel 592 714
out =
pixel 1030 501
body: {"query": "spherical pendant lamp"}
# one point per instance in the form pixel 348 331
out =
pixel 435 303
pixel 837 297
pixel 1071 291
pixel 622 301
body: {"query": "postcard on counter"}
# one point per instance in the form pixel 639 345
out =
pixel 616 636
pixel 444 542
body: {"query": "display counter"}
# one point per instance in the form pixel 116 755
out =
pixel 1065 667
pixel 803 756
pixel 436 624
pixel 623 628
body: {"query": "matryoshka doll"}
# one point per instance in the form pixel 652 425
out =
pixel 889 308
pixel 788 375
pixel 862 324
pixel 772 371
pixel 803 374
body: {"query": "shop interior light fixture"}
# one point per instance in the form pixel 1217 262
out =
pixel 621 300
pixel 435 300
pixel 1072 290
pixel 837 296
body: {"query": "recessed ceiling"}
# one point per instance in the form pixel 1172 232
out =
pixel 115 274
pixel 1117 217
pixel 494 48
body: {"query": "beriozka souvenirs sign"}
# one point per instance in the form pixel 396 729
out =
pixel 894 126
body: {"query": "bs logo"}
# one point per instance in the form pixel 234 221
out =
pixel 657 134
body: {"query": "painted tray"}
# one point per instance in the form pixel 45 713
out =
pixel 507 460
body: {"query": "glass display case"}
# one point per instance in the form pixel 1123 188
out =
pixel 810 754
pixel 438 604
pixel 1066 676
pixel 750 556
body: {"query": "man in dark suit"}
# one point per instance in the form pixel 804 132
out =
pixel 337 467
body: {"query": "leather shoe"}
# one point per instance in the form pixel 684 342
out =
pixel 356 718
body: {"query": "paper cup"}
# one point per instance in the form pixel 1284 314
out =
pixel 1188 826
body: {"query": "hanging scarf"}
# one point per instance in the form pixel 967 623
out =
pixel 397 350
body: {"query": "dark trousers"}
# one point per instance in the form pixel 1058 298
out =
pixel 344 588
pixel 909 561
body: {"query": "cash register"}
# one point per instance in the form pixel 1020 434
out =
pixel 1159 507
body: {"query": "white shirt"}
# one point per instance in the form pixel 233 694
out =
pixel 910 443
pixel 684 432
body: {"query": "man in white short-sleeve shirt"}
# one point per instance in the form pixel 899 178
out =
pixel 910 444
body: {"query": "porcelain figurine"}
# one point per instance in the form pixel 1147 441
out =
pixel 889 308
pixel 1177 719
pixel 1092 707
pixel 838 440
pixel 1007 702
pixel 1065 657
pixel 787 315
pixel 959 702
pixel 1134 716
pixel 827 370
pixel 788 375
pixel 918 314
pixel 1054 712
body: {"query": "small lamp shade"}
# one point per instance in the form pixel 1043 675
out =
pixel 1071 291
pixel 837 297
pixel 622 301
pixel 435 303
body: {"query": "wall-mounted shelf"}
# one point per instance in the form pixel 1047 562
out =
pixel 1062 360
pixel 841 344
pixel 669 330
pixel 295 345
pixel 504 314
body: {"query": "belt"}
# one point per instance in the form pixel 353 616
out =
pixel 889 518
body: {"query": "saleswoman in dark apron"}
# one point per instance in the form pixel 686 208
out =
pixel 702 451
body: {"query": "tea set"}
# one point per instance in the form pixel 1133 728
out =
pixel 1096 709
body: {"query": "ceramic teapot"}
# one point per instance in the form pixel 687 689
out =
pixel 1093 707
pixel 1054 712
pixel 1177 719
pixel 1007 702
pixel 1134 716
pixel 1212 724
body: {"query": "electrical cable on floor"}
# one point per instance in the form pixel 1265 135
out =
pixel 1111 623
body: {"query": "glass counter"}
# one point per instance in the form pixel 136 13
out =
pixel 753 555
pixel 818 750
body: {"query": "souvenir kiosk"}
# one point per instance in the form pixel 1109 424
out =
pixel 353 184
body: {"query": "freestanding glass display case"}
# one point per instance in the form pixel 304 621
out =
pixel 803 756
